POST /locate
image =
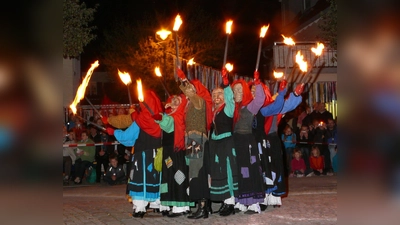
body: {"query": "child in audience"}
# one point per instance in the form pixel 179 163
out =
pixel 115 173
pixel 298 165
pixel 317 162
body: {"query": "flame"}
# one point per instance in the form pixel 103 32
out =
pixel 288 41
pixel 191 62
pixel 157 71
pixel 318 50
pixel 178 22
pixel 80 93
pixel 229 67
pixel 140 90
pixel 263 31
pixel 278 74
pixel 125 77
pixel 163 33
pixel 228 26
pixel 301 62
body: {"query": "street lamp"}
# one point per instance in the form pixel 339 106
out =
pixel 163 34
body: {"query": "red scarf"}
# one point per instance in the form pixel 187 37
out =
pixel 205 94
pixel 247 98
pixel 144 118
pixel 179 123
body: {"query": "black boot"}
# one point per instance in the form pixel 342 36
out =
pixel 201 212
pixel 227 210
pixel 220 208
pixel 209 208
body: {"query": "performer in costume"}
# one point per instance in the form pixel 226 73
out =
pixel 222 160
pixel 198 123
pixel 144 134
pixel 174 178
pixel 251 188
pixel 270 143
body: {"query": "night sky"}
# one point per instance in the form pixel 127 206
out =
pixel 248 17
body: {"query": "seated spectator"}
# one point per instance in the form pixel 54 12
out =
pixel 85 157
pixel 334 161
pixel 68 155
pixel 289 142
pixel 115 173
pixel 304 139
pixel 298 165
pixel 317 162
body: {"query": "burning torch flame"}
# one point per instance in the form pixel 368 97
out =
pixel 140 90
pixel 191 62
pixel 228 26
pixel 229 67
pixel 263 31
pixel 278 74
pixel 318 50
pixel 157 71
pixel 125 77
pixel 178 22
pixel 300 61
pixel 80 93
pixel 164 33
pixel 288 41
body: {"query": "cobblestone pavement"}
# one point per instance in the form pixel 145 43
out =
pixel 311 200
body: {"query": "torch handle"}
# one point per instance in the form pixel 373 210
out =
pixel 97 111
pixel 129 95
pixel 94 124
pixel 311 69
pixel 258 54
pixel 178 64
pixel 226 50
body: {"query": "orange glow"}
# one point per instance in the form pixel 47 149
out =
pixel 278 75
pixel 263 31
pixel 228 27
pixel 140 90
pixel 80 93
pixel 191 62
pixel 125 77
pixel 229 67
pixel 318 50
pixel 300 61
pixel 288 41
pixel 178 22
pixel 157 71
pixel 163 33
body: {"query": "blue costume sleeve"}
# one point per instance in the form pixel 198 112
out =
pixel 275 107
pixel 167 123
pixel 229 101
pixel 291 103
pixel 129 136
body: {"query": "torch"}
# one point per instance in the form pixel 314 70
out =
pixel 262 34
pixel 80 93
pixel 317 51
pixel 300 61
pixel 158 74
pixel 190 64
pixel 141 97
pixel 289 42
pixel 126 79
pixel 177 24
pixel 228 32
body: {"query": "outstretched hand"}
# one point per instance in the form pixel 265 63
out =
pixel 256 77
pixel 283 85
pixel 181 74
pixel 225 76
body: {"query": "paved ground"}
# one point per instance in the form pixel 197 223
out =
pixel 311 200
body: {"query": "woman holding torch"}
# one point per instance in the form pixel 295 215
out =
pixel 144 134
pixel 198 122
pixel 222 161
